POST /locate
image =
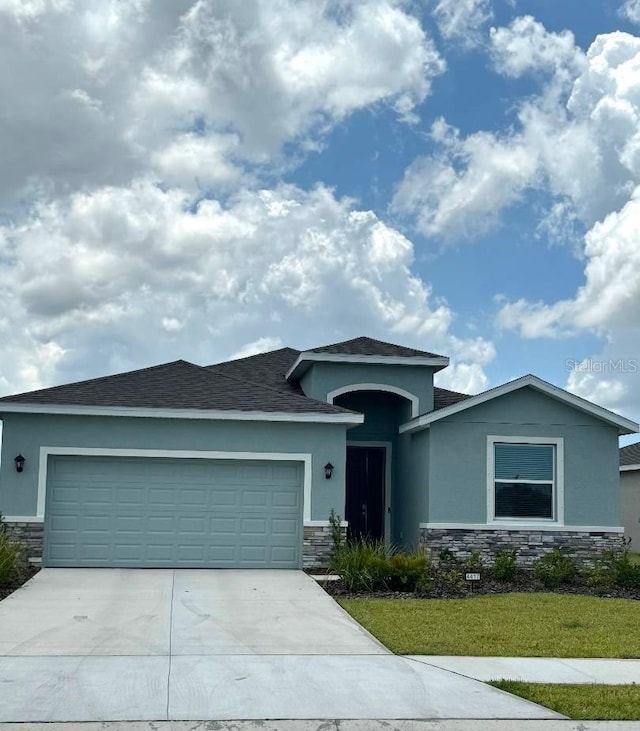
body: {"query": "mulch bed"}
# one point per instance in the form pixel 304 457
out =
pixel 524 582
pixel 10 587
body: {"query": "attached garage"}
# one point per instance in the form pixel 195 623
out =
pixel 155 512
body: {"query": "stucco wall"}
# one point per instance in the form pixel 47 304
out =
pixel 630 498
pixel 413 452
pixel 458 458
pixel 26 433
pixel 322 378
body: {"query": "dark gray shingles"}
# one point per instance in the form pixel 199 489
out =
pixel 630 454
pixel 177 385
pixel 369 346
pixel 442 398
pixel 269 369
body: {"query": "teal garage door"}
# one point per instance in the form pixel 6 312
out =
pixel 142 512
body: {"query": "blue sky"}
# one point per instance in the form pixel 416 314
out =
pixel 203 180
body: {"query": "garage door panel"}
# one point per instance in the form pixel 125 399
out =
pixel 254 498
pixel 163 513
pixel 224 498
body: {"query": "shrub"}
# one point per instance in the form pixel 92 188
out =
pixel 14 564
pixel 450 580
pixel 473 563
pixel 403 571
pixel 555 568
pixel 425 583
pixel 505 565
pixel 360 564
pixel 365 565
pixel 614 568
pixel 448 559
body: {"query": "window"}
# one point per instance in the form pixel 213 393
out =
pixel 523 479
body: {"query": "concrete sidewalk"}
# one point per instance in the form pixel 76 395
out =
pixel 538 669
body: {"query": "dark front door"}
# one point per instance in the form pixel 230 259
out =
pixel 365 492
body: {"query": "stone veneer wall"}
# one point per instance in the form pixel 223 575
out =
pixel 531 543
pixel 317 546
pixel 32 534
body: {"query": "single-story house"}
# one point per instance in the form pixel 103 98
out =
pixel 630 493
pixel 239 464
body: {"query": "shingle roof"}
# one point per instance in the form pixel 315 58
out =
pixel 442 397
pixel 254 383
pixel 369 346
pixel 177 385
pixel 265 368
pixel 630 454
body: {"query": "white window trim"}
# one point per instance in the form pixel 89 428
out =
pixel 46 452
pixel 558 483
pixel 415 404
pixel 388 447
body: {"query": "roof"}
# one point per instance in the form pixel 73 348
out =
pixel 369 346
pixel 630 456
pixel 365 351
pixel 442 398
pixel 265 368
pixel 625 426
pixel 177 385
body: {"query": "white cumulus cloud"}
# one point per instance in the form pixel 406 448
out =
pixel 124 276
pixel 462 21
pixel 630 10
pixel 189 88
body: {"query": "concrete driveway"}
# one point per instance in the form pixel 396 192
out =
pixel 155 644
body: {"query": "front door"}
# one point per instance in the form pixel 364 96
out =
pixel 365 492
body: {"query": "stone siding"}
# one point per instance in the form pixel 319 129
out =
pixel 530 543
pixel 31 534
pixel 318 545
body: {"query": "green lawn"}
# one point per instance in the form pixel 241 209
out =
pixel 581 702
pixel 635 557
pixel 525 625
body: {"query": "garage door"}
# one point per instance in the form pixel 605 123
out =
pixel 143 512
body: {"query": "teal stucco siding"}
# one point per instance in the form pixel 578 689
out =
pixel 457 483
pixel 26 433
pixel 413 455
pixel 322 378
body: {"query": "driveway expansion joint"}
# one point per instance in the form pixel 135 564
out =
pixel 173 587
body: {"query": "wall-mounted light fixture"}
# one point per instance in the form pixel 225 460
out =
pixel 328 470
pixel 19 460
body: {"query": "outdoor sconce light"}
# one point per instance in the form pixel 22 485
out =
pixel 19 460
pixel 328 470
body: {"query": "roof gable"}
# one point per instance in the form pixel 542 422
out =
pixel 369 346
pixel 365 351
pixel 625 426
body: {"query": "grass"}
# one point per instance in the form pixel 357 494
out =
pixel 635 558
pixel 517 624
pixel 581 702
